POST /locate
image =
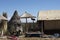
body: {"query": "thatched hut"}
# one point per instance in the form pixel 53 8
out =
pixel 49 21
pixel 3 25
pixel 26 16
pixel 14 23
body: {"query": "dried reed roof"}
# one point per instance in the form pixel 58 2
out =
pixel 27 15
pixel 49 15
pixel 15 18
pixel 2 18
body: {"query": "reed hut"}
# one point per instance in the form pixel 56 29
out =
pixel 3 25
pixel 49 21
pixel 14 23
pixel 26 16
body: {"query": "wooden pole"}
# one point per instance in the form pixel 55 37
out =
pixel 43 27
pixel 26 26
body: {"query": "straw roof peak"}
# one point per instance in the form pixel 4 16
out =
pixel 49 15
pixel 27 15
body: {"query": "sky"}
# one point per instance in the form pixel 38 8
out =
pixel 31 6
